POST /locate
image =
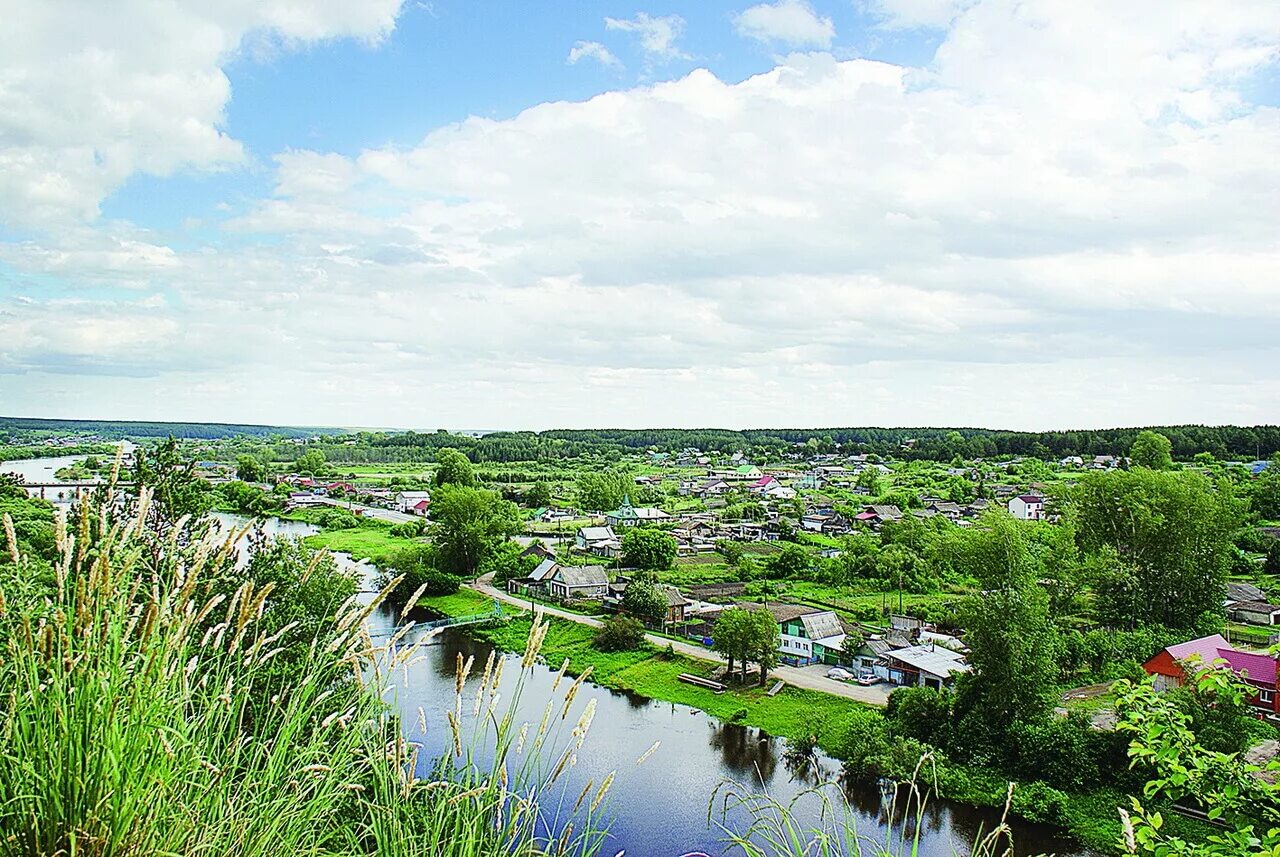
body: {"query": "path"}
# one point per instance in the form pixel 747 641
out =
pixel 809 678
pixel 375 512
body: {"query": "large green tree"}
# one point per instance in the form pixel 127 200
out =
pixel 469 524
pixel 644 600
pixel 602 491
pixel 1012 642
pixel 648 549
pixel 1166 538
pixel 1153 450
pixel 454 468
pixel 177 491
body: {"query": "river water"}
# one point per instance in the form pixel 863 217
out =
pixel 660 808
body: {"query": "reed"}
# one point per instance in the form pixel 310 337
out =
pixel 132 722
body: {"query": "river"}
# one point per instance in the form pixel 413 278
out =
pixel 660 808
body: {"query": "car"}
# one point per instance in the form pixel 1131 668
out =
pixel 867 677
pixel 839 674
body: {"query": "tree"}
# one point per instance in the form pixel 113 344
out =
pixel 311 461
pixel 421 565
pixel 1168 537
pixel 730 634
pixel 454 468
pixel 644 600
pixel 619 634
pixel 538 496
pixel 508 561
pixel 469 524
pixel 765 637
pixel 249 469
pixel 1012 643
pixel 732 551
pixel 790 562
pixel 1152 450
pixel 647 549
pixel 600 491
pixel 177 491
pixel 869 481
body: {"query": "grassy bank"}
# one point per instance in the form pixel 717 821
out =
pixel 794 714
pixel 651 672
pixel 371 541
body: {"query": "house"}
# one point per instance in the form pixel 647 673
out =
pixel 763 484
pixel 951 511
pixel 746 472
pixel 540 550
pixel 1240 591
pixel 1258 670
pixel 627 515
pixel 778 491
pixel 552 515
pixel 577 581
pixel 406 500
pixel 824 521
pixel 925 665
pixel 676 603
pixel 1027 507
pixel 712 488
pixel 600 541
pixel 875 516
pixel 1254 613
pixel 1104 462
pixel 808 635
pixel 420 508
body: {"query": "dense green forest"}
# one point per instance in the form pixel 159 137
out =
pixel 121 429
pixel 936 444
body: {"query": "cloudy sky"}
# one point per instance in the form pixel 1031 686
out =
pixel 1008 213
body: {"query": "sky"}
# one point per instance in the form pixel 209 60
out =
pixel 1025 214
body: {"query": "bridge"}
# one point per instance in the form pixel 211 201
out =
pixel 458 621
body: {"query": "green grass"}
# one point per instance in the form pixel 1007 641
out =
pixel 464 602
pixel 793 713
pixel 371 541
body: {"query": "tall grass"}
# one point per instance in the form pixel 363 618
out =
pixel 129 725
pixel 773 828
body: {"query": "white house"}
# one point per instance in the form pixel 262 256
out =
pixel 407 501
pixel 1027 507
pixel 925 666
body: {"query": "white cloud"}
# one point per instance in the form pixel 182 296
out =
pixel 1015 234
pixel 787 22
pixel 935 14
pixel 595 51
pixel 91 93
pixel 658 35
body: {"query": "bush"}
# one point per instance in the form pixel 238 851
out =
pixel 619 634
pixel 869 750
pixel 922 714
pixel 409 529
pixel 1040 803
pixel 418 564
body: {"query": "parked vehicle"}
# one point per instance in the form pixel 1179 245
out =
pixel 839 674
pixel 867 677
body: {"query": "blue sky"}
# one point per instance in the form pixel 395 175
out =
pixel 1035 214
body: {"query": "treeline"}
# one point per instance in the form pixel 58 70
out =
pixel 944 443
pixel 124 429
pixel 765 445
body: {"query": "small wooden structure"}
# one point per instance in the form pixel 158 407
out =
pixel 699 681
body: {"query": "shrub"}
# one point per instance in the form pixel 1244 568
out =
pixel 409 529
pixel 1040 803
pixel 619 634
pixel 920 713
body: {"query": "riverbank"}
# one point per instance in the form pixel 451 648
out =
pixel 797 714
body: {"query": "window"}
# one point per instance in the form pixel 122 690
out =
pixel 1266 696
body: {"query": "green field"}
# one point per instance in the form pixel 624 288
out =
pixel 373 542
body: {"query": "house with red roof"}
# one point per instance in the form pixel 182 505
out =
pixel 1257 669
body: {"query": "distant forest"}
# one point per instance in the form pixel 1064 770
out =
pixel 122 429
pixel 937 444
